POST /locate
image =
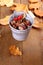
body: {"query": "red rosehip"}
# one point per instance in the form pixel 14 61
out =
pixel 15 19
pixel 20 17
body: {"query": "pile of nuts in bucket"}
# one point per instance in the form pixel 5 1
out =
pixel 20 22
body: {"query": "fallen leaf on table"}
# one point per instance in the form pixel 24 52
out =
pixel 19 7
pixel 5 20
pixel 38 24
pixel 15 50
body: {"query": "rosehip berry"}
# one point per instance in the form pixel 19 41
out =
pixel 15 19
pixel 20 17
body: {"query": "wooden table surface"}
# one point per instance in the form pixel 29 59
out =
pixel 32 48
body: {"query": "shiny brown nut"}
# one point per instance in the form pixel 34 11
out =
pixel 23 20
pixel 14 26
pixel 28 23
pixel 23 27
pixel 17 24
pixel 22 24
pixel 12 22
